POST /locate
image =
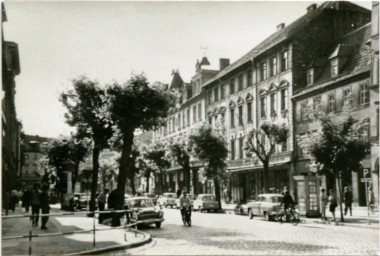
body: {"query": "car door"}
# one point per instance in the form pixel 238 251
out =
pixel 256 206
pixel 264 203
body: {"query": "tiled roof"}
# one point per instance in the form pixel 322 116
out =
pixel 287 33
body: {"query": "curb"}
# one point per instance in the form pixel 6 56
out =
pixel 147 239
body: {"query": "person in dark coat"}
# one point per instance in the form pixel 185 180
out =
pixel 36 203
pixel 45 207
pixel 102 198
pixel 287 200
pixel 347 195
pixel 6 201
pixel 179 192
pixel 112 203
pixel 26 197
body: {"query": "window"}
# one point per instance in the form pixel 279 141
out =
pixel 241 146
pixel 194 113
pixel 273 70
pixel 179 121
pixel 284 99
pixel 263 71
pixel 249 111
pixel 183 120
pixel 188 117
pixel 263 105
pixel 209 96
pixel 232 114
pixel 284 61
pixel 241 86
pixel 331 106
pixel 334 67
pixel 222 91
pixel 304 111
pixel 232 86
pixel 284 146
pixel 364 94
pixel 215 119
pixel 317 102
pixel 222 118
pixel 241 115
pixel 210 120
pixel 249 77
pixel 310 76
pixel 216 93
pixel 232 149
pixel 200 111
pixel 273 104
pixel 347 100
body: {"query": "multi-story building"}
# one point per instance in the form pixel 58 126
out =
pixel 258 87
pixel 11 127
pixel 374 99
pixel 337 78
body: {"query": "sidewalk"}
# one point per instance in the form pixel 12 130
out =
pixel 359 218
pixel 82 243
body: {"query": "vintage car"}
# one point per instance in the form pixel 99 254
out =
pixel 151 196
pixel 205 202
pixel 266 205
pixel 143 209
pixel 190 196
pixel 82 200
pixel 167 199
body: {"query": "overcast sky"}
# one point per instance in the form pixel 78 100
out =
pixel 107 41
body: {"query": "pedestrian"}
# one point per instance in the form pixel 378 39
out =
pixel 179 192
pixel 7 201
pixel 347 195
pixel 26 197
pixel 14 200
pixel 323 202
pixel 112 205
pixel 102 199
pixel 371 200
pixel 36 203
pixel 332 203
pixel 287 201
pixel 45 207
pixel 284 191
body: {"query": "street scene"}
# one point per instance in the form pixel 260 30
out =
pixel 202 128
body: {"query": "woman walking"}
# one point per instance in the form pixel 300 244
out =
pixel 323 203
pixel 333 203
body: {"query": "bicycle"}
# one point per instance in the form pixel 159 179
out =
pixel 292 216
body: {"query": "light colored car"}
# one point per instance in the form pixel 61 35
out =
pixel 266 205
pixel 167 199
pixel 190 196
pixel 145 210
pixel 242 209
pixel 205 202
pixel 151 196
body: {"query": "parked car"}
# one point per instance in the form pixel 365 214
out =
pixel 152 196
pixel 190 196
pixel 266 205
pixel 167 199
pixel 205 202
pixel 242 209
pixel 80 201
pixel 144 209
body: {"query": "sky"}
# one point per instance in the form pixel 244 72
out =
pixel 61 40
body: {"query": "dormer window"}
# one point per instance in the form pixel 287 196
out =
pixel 310 76
pixel 334 67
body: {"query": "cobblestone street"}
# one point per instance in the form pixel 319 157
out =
pixel 213 233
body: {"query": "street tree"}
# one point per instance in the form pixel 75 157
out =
pixel 156 159
pixel 136 104
pixel 337 148
pixel 263 141
pixel 87 110
pixel 145 167
pixel 178 152
pixel 108 171
pixel 210 148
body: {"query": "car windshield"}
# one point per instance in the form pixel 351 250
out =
pixel 169 195
pixel 276 199
pixel 208 198
pixel 139 203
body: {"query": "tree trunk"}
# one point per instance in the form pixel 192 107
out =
pixel 162 182
pixel 187 178
pixel 133 188
pixel 265 177
pixel 75 176
pixel 124 163
pixel 217 191
pixel 339 179
pixel 147 183
pixel 95 174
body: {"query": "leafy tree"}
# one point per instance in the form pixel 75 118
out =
pixel 107 172
pixel 155 154
pixel 145 167
pixel 338 149
pixel 262 142
pixel 134 105
pixel 87 107
pixel 179 153
pixel 210 148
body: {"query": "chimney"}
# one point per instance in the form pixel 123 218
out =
pixel 311 7
pixel 223 63
pixel 280 26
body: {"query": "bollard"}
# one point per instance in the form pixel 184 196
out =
pixel 93 226
pixel 30 235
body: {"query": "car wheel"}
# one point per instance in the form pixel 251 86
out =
pixel 250 213
pixel 267 217
pixel 158 224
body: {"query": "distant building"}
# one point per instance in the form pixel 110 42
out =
pixel 11 127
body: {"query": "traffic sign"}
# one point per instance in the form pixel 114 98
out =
pixel 365 172
pixel 366 180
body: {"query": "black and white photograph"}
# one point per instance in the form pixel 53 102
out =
pixel 190 127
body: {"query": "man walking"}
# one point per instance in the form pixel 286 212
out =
pixel 347 195
pixel 26 197
pixel 45 207
pixel 36 203
pixel 102 203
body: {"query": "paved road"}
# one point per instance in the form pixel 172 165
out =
pixel 214 233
